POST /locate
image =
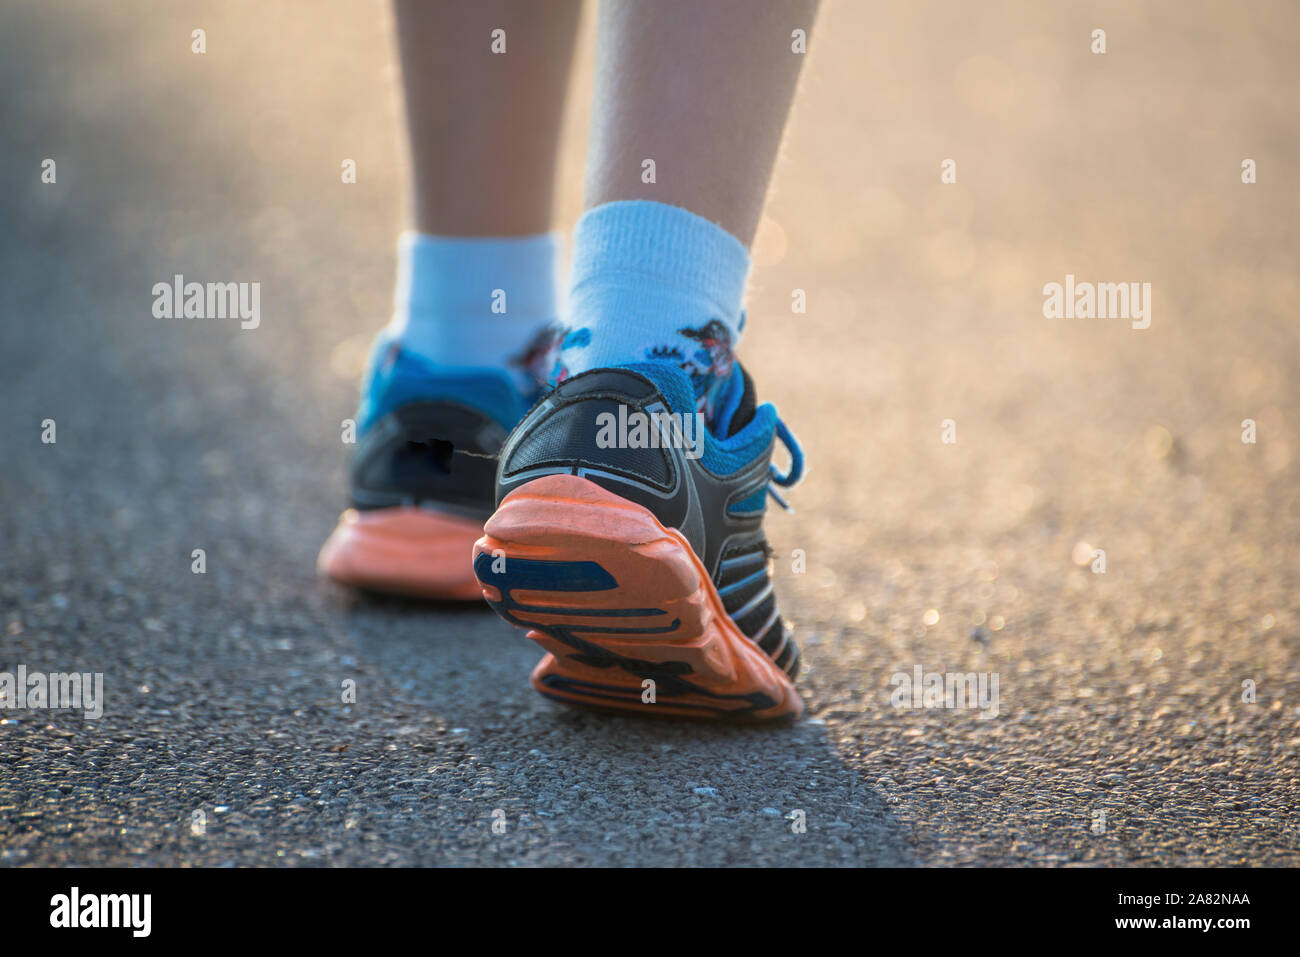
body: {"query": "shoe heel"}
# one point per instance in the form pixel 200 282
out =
pixel 403 551
pixel 627 615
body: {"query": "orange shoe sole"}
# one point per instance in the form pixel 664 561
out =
pixel 403 551
pixel 628 616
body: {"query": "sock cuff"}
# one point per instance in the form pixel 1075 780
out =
pixel 668 246
pixel 456 276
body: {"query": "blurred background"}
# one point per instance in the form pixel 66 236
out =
pixel 1120 691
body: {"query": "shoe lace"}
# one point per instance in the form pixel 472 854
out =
pixel 795 473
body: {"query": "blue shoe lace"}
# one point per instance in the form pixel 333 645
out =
pixel 795 473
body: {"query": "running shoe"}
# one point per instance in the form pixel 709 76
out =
pixel 630 546
pixel 421 475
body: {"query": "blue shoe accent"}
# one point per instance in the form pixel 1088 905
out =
pixel 396 376
pixel 534 574
pixel 724 454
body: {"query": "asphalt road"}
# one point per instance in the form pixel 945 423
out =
pixel 1121 735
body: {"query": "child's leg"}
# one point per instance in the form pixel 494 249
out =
pixel 484 126
pixel 459 363
pixel 691 100
pixel 484 85
pixel 703 88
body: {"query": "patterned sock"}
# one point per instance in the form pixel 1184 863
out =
pixel 654 282
pixel 471 301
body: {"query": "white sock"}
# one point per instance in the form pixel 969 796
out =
pixel 478 301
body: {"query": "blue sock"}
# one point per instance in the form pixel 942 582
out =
pixel 471 301
pixel 654 282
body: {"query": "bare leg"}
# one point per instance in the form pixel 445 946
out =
pixel 484 126
pixel 703 88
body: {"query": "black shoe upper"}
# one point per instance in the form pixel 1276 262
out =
pixel 720 515
pixel 434 453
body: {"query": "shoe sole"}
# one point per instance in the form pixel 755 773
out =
pixel 617 601
pixel 405 550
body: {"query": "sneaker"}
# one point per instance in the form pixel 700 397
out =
pixel 421 476
pixel 638 561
